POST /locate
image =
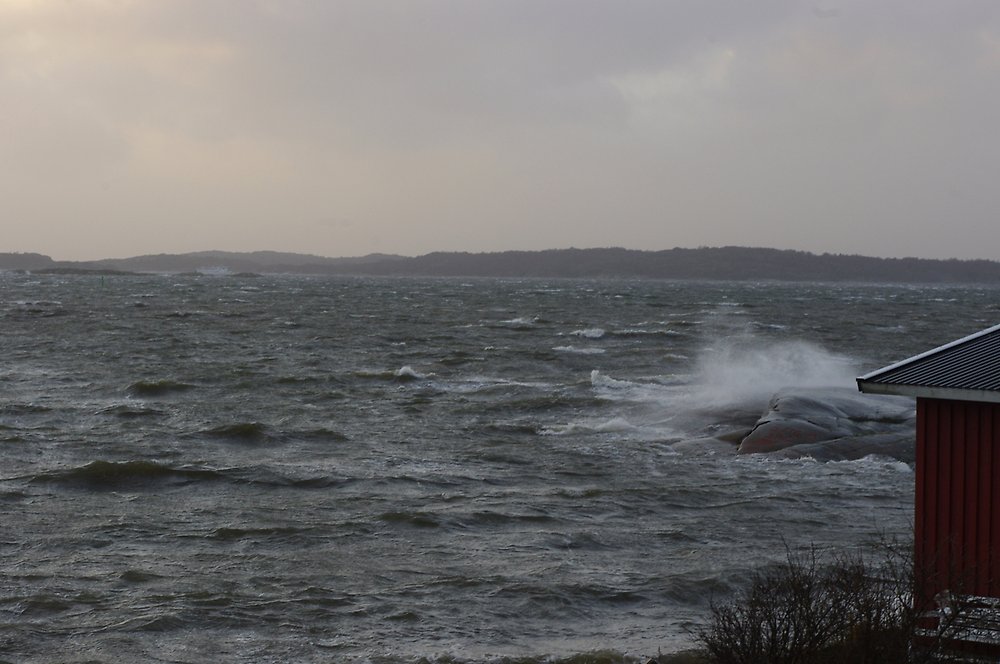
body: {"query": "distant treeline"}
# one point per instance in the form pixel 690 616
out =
pixel 724 263
pixel 721 263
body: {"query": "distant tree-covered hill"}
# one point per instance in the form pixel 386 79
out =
pixel 13 261
pixel 722 263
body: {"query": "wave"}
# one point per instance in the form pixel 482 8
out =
pixel 138 576
pixel 579 351
pixel 613 389
pixel 245 432
pixel 127 412
pixel 640 332
pixel 495 518
pixel 161 623
pixel 507 427
pixel 321 434
pixel 38 303
pixel 230 533
pixel 19 409
pixel 591 657
pixel 187 314
pixel 680 357
pixel 876 462
pixel 698 589
pixel 459 358
pixel 547 600
pixel 598 379
pixel 614 425
pixel 541 403
pixel 41 604
pixel 519 323
pixel 267 476
pixel 124 475
pixel 150 475
pixel 480 384
pixel 13 496
pixel 404 374
pixel 157 388
pixel 300 380
pixel 256 433
pixel 589 333
pixel 39 308
pixel 416 519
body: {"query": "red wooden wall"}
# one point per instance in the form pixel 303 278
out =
pixel 957 511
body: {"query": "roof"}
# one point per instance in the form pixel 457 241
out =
pixel 967 369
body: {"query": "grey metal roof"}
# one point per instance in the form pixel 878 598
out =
pixel 966 369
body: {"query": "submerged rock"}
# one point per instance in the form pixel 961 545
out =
pixel 833 423
pixel 704 446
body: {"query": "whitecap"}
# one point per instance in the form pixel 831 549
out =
pixel 639 331
pixel 614 425
pixel 520 322
pixel 614 389
pixel 588 333
pixel 877 462
pixel 675 356
pixel 479 383
pixel 578 351
pixel 597 379
pixel 407 373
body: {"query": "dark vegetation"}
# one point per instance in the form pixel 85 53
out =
pixel 808 612
pixel 853 609
pixel 722 263
pixel 25 261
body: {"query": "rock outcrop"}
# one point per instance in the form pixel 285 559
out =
pixel 833 423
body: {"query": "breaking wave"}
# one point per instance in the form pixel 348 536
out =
pixel 589 333
pixel 579 351
pixel 748 370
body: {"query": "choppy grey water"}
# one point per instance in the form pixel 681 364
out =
pixel 237 469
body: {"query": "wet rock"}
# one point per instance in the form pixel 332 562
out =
pixel 779 433
pixel 832 423
pixel 893 445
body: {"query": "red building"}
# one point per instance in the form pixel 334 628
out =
pixel 957 508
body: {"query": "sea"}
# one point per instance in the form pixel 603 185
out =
pixel 249 468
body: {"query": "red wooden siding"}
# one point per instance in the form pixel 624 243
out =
pixel 957 512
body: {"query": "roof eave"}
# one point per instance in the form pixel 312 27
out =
pixel 933 351
pixel 947 393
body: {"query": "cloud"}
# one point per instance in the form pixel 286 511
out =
pixel 448 124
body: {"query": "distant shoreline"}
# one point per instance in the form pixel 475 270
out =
pixel 705 263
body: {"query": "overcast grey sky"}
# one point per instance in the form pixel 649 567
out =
pixel 343 127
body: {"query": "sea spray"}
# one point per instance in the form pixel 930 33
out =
pixel 746 369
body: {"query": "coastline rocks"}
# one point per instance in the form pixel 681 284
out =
pixel 833 423
pixel 894 445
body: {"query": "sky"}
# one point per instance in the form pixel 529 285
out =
pixel 347 127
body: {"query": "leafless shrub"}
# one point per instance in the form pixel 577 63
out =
pixel 809 611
